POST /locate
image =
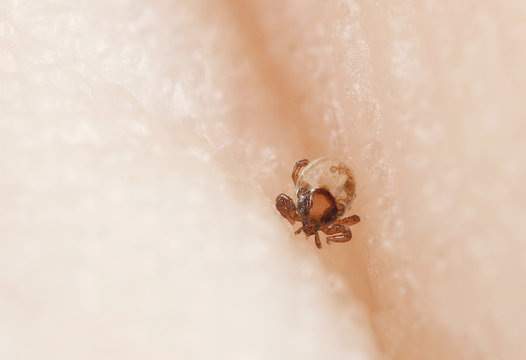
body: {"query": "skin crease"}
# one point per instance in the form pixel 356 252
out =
pixel 104 105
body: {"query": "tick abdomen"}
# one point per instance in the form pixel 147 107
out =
pixel 331 174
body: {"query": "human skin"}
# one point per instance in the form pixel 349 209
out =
pixel 142 145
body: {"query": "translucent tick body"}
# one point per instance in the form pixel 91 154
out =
pixel 325 190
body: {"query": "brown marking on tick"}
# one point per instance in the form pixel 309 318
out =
pixel 350 186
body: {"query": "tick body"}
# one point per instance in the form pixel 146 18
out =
pixel 325 190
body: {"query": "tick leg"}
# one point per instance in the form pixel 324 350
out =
pixel 286 208
pixel 297 169
pixel 351 220
pixel 298 231
pixel 317 240
pixel 344 232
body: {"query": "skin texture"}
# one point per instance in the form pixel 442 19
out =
pixel 142 145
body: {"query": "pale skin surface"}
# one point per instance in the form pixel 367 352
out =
pixel 142 145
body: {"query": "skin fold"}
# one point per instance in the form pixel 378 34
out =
pixel 143 143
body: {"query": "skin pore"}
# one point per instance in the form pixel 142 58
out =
pixel 143 144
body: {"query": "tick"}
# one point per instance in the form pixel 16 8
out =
pixel 325 190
